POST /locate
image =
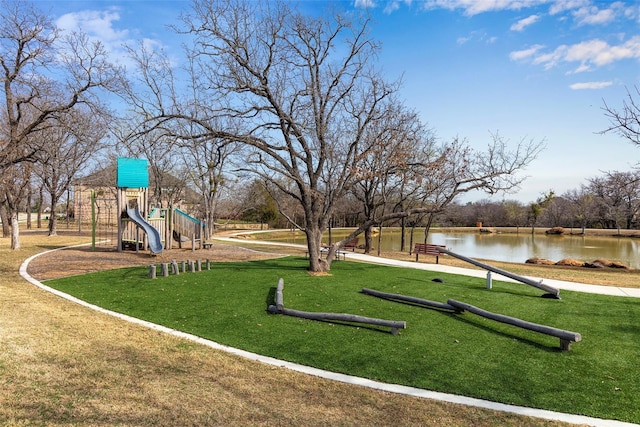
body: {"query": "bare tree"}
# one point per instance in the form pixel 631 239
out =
pixel 455 169
pixel 15 181
pixel 625 121
pixel 616 198
pixel 4 217
pixel 67 150
pixel 45 74
pixel 299 90
pixel 583 205
pixel 207 166
pixel 383 168
pixel 301 93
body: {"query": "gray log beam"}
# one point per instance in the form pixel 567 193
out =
pixel 414 300
pixel 549 289
pixel 340 317
pixel 566 337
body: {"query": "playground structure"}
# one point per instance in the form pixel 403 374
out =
pixel 138 226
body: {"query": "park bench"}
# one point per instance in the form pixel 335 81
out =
pixel 351 244
pixel 428 249
pixel 325 250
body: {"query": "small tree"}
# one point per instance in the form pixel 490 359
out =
pixel 67 150
pixel 382 171
pixel 537 208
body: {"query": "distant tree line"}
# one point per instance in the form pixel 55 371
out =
pixel 609 201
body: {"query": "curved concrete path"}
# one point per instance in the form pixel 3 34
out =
pixel 393 388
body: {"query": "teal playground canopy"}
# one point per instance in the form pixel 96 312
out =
pixel 133 173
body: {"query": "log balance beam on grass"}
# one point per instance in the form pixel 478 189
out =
pixel 279 308
pixel 551 291
pixel 566 337
pixel 413 300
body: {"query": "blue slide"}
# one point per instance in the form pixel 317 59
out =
pixel 155 242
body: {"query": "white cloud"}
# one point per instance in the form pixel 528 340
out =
pixel 475 7
pixel 96 24
pixel 477 36
pixel 563 5
pixel 590 85
pixel 633 13
pixel 394 5
pixel 525 22
pixel 102 26
pixel 588 54
pixel 365 3
pixel 592 15
pixel 521 55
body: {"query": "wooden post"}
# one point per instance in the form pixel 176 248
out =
pixel 165 269
pixel 192 266
pixel 184 266
pixel 152 271
pixel 208 264
pixel 199 265
pixel 174 267
pixel 279 296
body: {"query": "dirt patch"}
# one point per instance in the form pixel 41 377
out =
pixel 82 260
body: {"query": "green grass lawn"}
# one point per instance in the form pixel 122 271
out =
pixel 454 353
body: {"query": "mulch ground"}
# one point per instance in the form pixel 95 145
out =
pixel 82 260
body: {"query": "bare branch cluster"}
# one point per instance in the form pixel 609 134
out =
pixel 48 80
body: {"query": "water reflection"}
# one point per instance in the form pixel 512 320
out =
pixel 515 247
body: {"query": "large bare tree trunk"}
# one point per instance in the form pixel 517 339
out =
pixel 28 207
pixel 403 227
pixel 53 219
pixel 15 230
pixel 40 202
pixel 314 245
pixel 367 240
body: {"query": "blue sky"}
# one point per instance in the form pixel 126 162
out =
pixel 527 69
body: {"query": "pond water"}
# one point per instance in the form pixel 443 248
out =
pixel 520 247
pixel 516 247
